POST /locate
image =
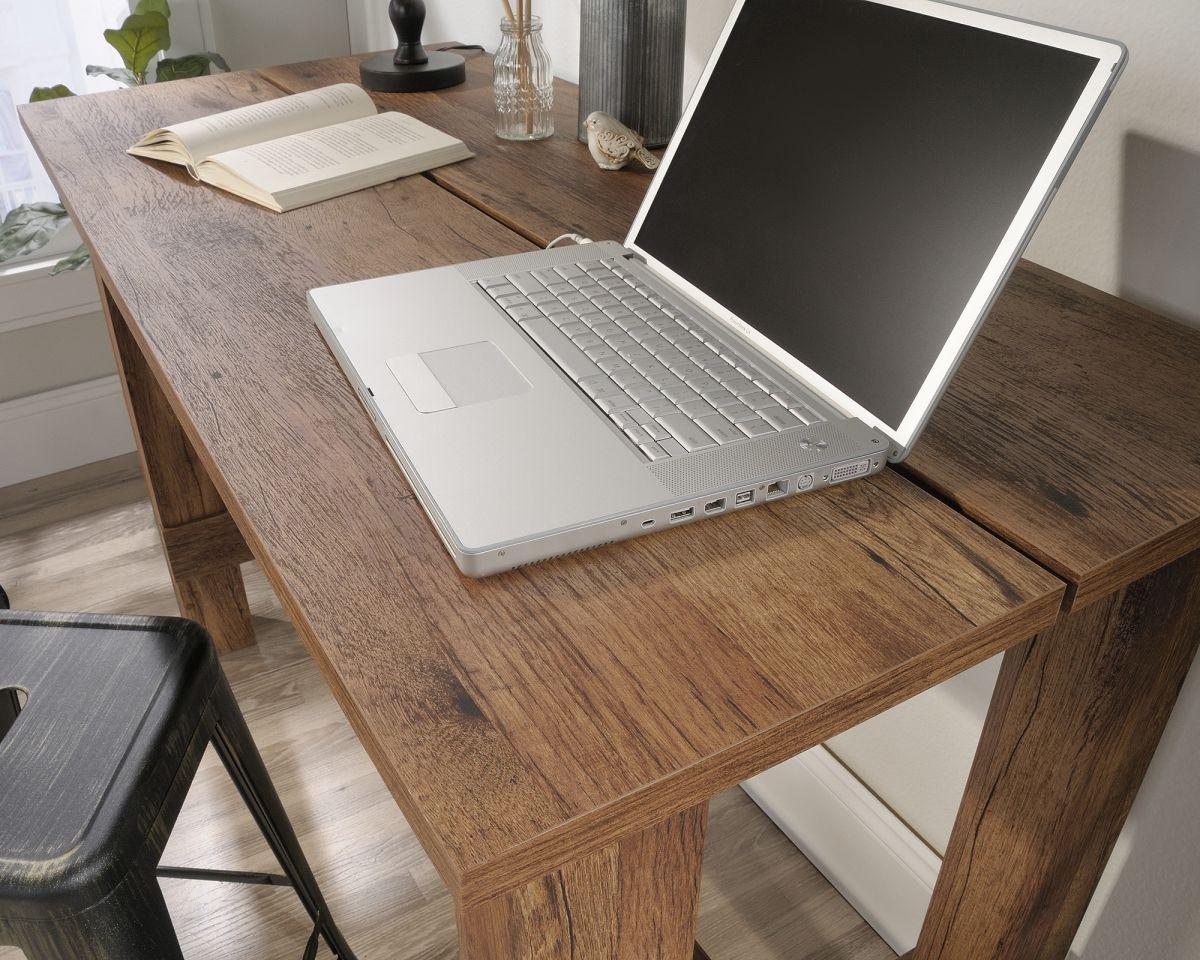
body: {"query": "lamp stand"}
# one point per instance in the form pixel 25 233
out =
pixel 411 68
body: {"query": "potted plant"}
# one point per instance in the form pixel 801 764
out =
pixel 139 40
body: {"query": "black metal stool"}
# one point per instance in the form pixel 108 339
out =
pixel 103 721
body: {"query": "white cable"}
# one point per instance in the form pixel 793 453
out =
pixel 573 237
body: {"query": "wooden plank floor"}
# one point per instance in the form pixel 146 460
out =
pixel 85 540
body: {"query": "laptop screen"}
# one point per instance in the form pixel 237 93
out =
pixel 847 176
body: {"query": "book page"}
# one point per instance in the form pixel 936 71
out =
pixel 340 151
pixel 272 119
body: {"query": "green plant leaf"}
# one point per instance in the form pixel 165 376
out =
pixel 120 74
pixel 138 39
pixel 79 257
pixel 193 65
pixel 216 60
pixel 50 93
pixel 153 6
pixel 30 227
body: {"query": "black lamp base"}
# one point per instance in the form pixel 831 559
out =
pixel 441 70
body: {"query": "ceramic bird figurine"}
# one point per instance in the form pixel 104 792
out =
pixel 612 143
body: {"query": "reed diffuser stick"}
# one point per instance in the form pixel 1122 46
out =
pixel 529 91
pixel 520 16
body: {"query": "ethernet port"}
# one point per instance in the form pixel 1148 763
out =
pixel 777 489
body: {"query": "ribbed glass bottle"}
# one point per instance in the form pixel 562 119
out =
pixel 523 81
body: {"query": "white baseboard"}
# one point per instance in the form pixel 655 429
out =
pixel 29 295
pixel 869 854
pixel 61 429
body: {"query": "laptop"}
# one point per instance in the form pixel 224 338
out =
pixel 844 198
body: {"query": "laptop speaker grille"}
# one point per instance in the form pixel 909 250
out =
pixel 764 458
pixel 536 259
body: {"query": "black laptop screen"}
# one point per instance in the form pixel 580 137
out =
pixel 848 175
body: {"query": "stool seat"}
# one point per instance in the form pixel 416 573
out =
pixel 88 768
pixel 103 722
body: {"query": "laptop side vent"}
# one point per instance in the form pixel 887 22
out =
pixel 565 553
pixel 764 458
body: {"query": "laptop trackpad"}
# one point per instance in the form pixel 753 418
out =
pixel 457 376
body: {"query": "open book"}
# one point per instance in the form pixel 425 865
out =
pixel 297 150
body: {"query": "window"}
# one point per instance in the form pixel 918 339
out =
pixel 45 42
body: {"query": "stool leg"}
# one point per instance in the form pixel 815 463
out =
pixel 132 923
pixel 237 751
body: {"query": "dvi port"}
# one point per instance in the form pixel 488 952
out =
pixel 848 471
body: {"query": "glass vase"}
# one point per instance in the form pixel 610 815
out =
pixel 523 81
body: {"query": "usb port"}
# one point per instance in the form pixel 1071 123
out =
pixel 682 514
pixel 743 498
pixel 715 506
pixel 777 489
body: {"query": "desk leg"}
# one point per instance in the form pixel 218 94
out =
pixel 201 541
pixel 1076 716
pixel 634 900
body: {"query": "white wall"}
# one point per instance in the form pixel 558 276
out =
pixel 260 33
pixel 479 22
pixel 917 755
pixel 1126 217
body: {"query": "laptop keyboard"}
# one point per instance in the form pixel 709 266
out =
pixel 661 377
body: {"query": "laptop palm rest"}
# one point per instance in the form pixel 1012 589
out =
pixel 457 376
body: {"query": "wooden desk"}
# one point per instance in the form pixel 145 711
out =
pixel 552 734
pixel 1071 433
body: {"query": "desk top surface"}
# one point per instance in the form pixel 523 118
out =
pixel 1072 431
pixel 534 716
pixel 540 190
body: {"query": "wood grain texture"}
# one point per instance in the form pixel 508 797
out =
pixel 33 502
pixel 528 720
pixel 1071 431
pixel 636 899
pixel 181 491
pixel 199 546
pixel 99 550
pixel 540 190
pixel 1073 725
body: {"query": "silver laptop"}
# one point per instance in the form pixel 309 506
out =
pixel 845 196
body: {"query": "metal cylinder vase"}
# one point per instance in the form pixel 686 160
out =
pixel 631 64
